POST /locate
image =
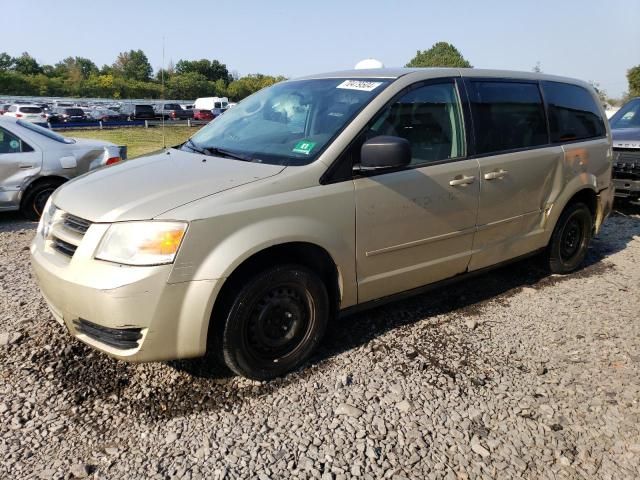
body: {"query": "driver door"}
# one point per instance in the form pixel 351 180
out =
pixel 416 226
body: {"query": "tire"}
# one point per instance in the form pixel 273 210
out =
pixel 570 239
pixel 275 322
pixel 36 198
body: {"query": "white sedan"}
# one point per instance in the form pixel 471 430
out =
pixel 34 161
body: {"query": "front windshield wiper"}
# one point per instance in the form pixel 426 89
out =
pixel 192 146
pixel 221 152
pixel 215 151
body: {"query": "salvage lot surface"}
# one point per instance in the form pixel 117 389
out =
pixel 514 374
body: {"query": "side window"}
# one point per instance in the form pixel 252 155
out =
pixel 429 118
pixel 573 112
pixel 507 116
pixel 10 143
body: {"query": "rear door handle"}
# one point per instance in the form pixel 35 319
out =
pixel 26 166
pixel 462 180
pixel 495 175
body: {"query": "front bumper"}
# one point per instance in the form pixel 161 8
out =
pixel 172 318
pixel 626 188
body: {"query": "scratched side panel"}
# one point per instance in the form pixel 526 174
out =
pixel 413 228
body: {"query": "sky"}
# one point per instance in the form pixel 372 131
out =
pixel 594 40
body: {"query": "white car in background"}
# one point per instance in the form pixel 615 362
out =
pixel 30 113
pixel 34 161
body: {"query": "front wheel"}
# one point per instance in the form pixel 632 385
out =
pixel 570 240
pixel 275 322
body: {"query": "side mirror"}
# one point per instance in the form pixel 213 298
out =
pixel 385 152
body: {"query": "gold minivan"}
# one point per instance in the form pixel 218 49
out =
pixel 318 195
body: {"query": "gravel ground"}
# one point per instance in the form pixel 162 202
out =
pixel 514 374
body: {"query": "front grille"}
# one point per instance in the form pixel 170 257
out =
pixel 67 233
pixel 121 338
pixel 63 247
pixel 77 224
pixel 626 163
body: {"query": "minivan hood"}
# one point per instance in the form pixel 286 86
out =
pixel 626 137
pixel 144 188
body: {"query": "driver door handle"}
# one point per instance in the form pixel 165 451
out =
pixel 495 174
pixel 462 180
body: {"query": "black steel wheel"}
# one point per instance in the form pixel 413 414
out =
pixel 275 322
pixel 570 240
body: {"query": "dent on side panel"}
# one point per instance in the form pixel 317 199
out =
pixel 69 164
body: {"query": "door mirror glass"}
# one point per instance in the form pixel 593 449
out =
pixel 385 152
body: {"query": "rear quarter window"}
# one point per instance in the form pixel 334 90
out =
pixel 573 113
pixel 30 109
pixel 507 116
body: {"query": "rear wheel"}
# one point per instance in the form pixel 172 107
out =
pixel 36 197
pixel 275 322
pixel 570 240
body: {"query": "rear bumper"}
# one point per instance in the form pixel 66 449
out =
pixel 605 206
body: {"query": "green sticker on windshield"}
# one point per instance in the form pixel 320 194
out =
pixel 304 147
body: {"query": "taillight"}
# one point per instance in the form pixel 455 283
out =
pixel 113 160
pixel 18 115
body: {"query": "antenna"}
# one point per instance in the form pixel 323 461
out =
pixel 164 140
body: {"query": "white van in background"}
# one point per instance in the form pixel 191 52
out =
pixel 217 105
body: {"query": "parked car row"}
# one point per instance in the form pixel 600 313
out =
pixel 67 112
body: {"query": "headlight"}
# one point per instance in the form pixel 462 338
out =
pixel 141 243
pixel 46 219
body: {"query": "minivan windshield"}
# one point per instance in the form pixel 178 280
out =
pixel 628 116
pixel 289 123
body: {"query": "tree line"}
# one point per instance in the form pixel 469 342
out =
pixel 130 76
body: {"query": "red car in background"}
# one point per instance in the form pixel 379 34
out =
pixel 202 115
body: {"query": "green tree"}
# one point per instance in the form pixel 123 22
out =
pixel 133 65
pixel 26 65
pixel 211 69
pixel 77 67
pixel 188 85
pixel 245 86
pixel 441 54
pixel 6 62
pixel 633 77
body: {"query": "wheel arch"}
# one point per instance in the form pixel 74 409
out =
pixel 304 253
pixel 35 181
pixel 585 193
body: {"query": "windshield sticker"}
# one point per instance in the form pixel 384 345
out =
pixel 361 85
pixel 304 147
pixel 14 144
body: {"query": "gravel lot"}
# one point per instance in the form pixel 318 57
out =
pixel 514 374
